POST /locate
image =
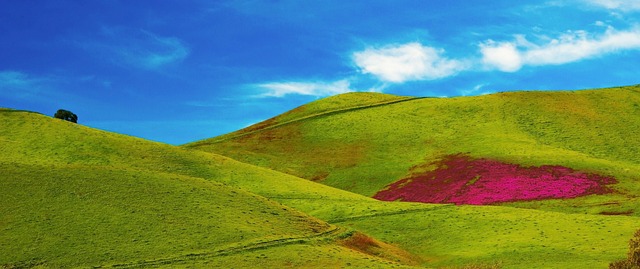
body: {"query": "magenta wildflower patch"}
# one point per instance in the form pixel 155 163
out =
pixel 460 179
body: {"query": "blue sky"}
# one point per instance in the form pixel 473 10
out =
pixel 180 71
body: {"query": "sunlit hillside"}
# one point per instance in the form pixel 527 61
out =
pixel 583 143
pixel 75 196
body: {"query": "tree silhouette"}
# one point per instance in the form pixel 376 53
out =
pixel 66 115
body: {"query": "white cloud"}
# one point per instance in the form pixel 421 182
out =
pixel 570 47
pixel 406 62
pixel 280 89
pixel 621 5
pixel 504 56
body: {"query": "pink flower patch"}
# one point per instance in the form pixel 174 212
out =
pixel 460 179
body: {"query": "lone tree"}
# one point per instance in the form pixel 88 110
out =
pixel 66 115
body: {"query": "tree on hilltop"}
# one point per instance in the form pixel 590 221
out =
pixel 66 115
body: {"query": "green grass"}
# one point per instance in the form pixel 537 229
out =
pixel 516 238
pixel 30 138
pixel 295 256
pixel 321 108
pixel 365 150
pixel 455 236
pixel 79 216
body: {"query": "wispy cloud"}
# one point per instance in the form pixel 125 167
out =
pixel 406 62
pixel 280 89
pixel 12 79
pixel 476 90
pixel 169 50
pixel 137 48
pixel 570 47
pixel 17 84
pixel 620 5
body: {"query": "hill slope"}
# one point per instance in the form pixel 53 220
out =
pixel 566 136
pixel 325 107
pixel 74 196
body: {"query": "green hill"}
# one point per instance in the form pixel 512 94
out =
pixel 331 105
pixel 73 196
pixel 570 155
pixel 588 138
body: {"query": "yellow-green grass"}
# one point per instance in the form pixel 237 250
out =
pixel 454 236
pixel 31 138
pixel 324 107
pixel 320 255
pixel 75 196
pixel 364 150
pixel 445 235
pixel 449 235
pixel 86 216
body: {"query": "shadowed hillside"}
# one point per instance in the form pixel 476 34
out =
pixel 577 134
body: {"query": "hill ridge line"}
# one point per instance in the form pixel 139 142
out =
pixel 316 115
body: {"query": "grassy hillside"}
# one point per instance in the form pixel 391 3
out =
pixel 366 150
pixel 31 138
pixel 325 107
pixel 511 237
pixel 445 235
pixel 73 215
pixel 74 196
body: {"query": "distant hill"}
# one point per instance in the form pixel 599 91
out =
pixel 584 144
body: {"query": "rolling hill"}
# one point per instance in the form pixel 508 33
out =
pixel 583 144
pixel 73 196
